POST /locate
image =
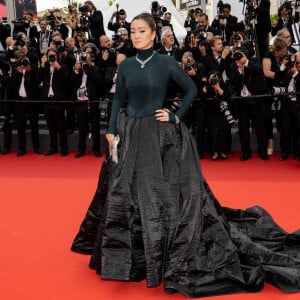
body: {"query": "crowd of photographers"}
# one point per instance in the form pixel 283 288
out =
pixel 70 66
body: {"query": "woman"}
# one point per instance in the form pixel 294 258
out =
pixel 153 216
pixel 274 70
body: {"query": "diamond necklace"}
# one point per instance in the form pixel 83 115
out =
pixel 143 62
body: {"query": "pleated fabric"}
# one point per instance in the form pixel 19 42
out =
pixel 154 217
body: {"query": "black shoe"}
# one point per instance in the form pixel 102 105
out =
pixel 64 153
pixel 5 150
pixel 97 153
pixel 263 156
pixel 37 150
pixel 245 156
pixel 51 152
pixel 21 152
pixel 79 154
pixel 297 157
pixel 284 156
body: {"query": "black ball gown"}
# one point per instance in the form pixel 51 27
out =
pixel 154 216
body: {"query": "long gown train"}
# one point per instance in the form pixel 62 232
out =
pixel 154 217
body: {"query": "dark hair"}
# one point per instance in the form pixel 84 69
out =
pixel 148 18
pixel 227 5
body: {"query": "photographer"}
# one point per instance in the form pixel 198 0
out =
pixel 218 116
pixel 290 111
pixel 122 43
pixel 219 57
pixel 247 78
pixel 285 20
pixel 23 86
pixel 86 82
pixel 120 21
pixel 274 70
pixel 74 20
pixel 190 23
pixel 224 22
pixel 56 24
pixel 168 44
pixel 52 77
pixel 20 42
pixel 262 25
pixel 195 117
pixel 4 33
pixel 43 37
pixel 95 17
pixel 203 25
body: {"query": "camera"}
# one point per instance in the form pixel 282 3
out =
pixel 60 46
pixel 85 67
pixel 51 58
pixel 157 10
pixel 19 40
pixel 202 39
pixel 22 22
pixel 24 62
pixel 224 109
pixel 117 38
pixel 213 79
pixel 188 66
pixel 84 22
pixel 278 90
pixel 83 9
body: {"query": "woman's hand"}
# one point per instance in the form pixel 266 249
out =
pixel 162 115
pixel 110 139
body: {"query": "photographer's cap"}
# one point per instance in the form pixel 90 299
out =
pixel 122 12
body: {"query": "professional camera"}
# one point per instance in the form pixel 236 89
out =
pixel 24 62
pixel 278 90
pixel 249 9
pixel 188 66
pixel 220 6
pixel 202 38
pixel 104 110
pixel 19 40
pixel 213 79
pixel 51 58
pixel 85 67
pixel 20 22
pixel 60 46
pixel 116 38
pixel 83 9
pixel 224 109
pixel 84 22
pixel 157 10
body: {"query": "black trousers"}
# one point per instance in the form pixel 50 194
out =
pixel 251 115
pixel 6 125
pixel 55 118
pixel 290 127
pixel 24 112
pixel 88 118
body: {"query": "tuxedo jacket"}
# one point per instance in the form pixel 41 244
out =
pixel 59 82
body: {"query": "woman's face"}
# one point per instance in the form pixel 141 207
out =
pixel 141 35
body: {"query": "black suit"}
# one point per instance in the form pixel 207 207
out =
pixel 251 112
pixel 226 31
pixel 96 26
pixel 4 33
pixel 115 26
pixel 263 26
pixel 24 110
pixel 290 118
pixel 54 112
pixel 88 113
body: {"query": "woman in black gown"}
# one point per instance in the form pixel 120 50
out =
pixel 153 215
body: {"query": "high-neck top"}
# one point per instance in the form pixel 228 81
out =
pixel 143 90
pixel 144 54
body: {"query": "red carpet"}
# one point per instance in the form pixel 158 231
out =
pixel 43 200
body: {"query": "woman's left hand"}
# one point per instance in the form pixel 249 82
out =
pixel 162 115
